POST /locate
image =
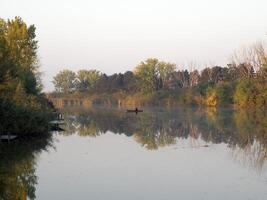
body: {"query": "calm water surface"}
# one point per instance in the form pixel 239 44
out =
pixel 158 154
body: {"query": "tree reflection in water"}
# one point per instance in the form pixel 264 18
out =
pixel 245 132
pixel 17 168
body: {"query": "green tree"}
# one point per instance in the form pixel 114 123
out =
pixel 224 92
pixel 152 74
pixel 245 94
pixel 87 79
pixel 147 75
pixel 64 81
pixel 165 70
pixel 23 108
pixel 18 54
pixel 220 94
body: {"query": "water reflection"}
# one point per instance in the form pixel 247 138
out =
pixel 244 132
pixel 18 179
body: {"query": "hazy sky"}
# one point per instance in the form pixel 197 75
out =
pixel 115 35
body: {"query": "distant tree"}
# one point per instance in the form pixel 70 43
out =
pixel 146 73
pixel 235 72
pixel 115 82
pixel 165 70
pixel 152 75
pixel 212 86
pixel 87 79
pixel 224 92
pixel 172 83
pixel 217 74
pixel 102 84
pixel 263 73
pixel 205 76
pixel 213 74
pixel 83 84
pixel 193 78
pixel 245 70
pixel 64 81
pixel 182 78
pixel 251 56
pixel 245 94
pixel 129 80
pixel 219 94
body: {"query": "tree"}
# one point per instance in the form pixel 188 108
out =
pixel 206 75
pixel 254 55
pixel 146 73
pixel 23 108
pixel 224 92
pixel 193 78
pixel 87 79
pixel 263 73
pixel 129 81
pixel 245 94
pixel 213 75
pixel 153 75
pixel 165 70
pixel 220 94
pixel 183 78
pixel 64 81
pixel 102 84
pixel 18 54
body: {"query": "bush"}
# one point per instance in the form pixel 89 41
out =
pixel 248 94
pixel 21 120
pixel 224 92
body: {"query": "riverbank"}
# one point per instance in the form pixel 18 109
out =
pixel 25 119
pixel 114 99
pixel 243 94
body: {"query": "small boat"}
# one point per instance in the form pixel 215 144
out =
pixel 135 111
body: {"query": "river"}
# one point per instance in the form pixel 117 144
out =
pixel 158 154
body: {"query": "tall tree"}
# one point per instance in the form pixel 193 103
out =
pixel 23 108
pixel 18 54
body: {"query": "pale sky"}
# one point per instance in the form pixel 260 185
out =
pixel 115 35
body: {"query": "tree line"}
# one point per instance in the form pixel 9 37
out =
pixel 23 107
pixel 243 82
